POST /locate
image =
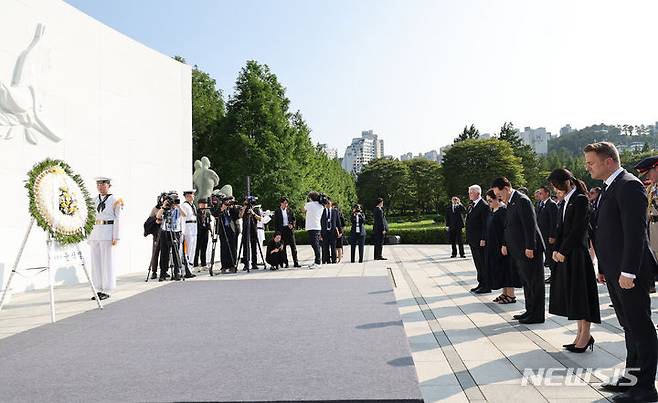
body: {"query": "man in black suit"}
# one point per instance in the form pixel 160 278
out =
pixel 626 266
pixel 455 224
pixel 547 220
pixel 379 228
pixel 284 222
pixel 523 242
pixel 476 229
pixel 330 226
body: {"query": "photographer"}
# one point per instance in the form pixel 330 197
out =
pixel 276 251
pixel 154 229
pixel 204 220
pixel 455 224
pixel 249 233
pixel 314 209
pixel 330 230
pixel 226 229
pixel 171 216
pixel 358 234
pixel 284 222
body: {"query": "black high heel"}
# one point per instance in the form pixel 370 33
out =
pixel 590 345
pixel 568 345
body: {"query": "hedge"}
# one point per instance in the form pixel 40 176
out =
pixel 432 235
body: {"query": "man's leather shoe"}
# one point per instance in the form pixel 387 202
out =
pixel 103 296
pixel 451 256
pixel 154 275
pixel 463 256
pixel 530 321
pixel 475 288
pixel 636 395
pixel 620 385
pixel 177 277
pixel 162 279
pixel 520 316
pixel 482 291
pixel 189 275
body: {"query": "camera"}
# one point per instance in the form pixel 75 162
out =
pixel 250 200
pixel 323 199
pixel 170 199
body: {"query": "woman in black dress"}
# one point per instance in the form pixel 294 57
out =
pixel 501 272
pixel 574 293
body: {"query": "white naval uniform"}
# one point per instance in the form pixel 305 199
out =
pixel 106 229
pixel 189 231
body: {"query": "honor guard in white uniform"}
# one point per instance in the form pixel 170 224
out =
pixel 190 228
pixel 104 238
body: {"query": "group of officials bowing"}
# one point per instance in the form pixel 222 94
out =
pixel 511 239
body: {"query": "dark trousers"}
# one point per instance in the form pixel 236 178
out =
pixel 455 236
pixel 328 247
pixel 633 309
pixel 531 272
pixel 155 252
pixel 314 240
pixel 478 252
pixel 288 236
pixel 250 247
pixel 277 258
pixel 357 241
pixel 378 242
pixel 228 247
pixel 201 247
pixel 169 244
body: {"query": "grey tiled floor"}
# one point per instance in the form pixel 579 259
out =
pixel 464 346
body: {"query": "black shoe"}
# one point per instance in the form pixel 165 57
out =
pixel 589 345
pixel 162 279
pixel 453 256
pixel 244 268
pixel 475 288
pixel 636 395
pixel 167 275
pixel 177 277
pixel 620 385
pixel 189 275
pixel 463 256
pixel 568 345
pixel 530 321
pixel 520 316
pixel 548 280
pixel 296 265
pixel 154 275
pixel 103 296
pixel 482 291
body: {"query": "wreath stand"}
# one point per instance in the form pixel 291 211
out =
pixel 50 247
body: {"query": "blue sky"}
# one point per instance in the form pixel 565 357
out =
pixel 417 71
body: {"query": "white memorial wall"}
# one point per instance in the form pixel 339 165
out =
pixel 118 108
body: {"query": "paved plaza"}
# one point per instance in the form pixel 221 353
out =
pixel 464 347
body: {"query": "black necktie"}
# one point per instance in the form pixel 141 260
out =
pixel 101 203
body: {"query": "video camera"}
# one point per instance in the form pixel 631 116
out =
pixel 250 201
pixel 169 199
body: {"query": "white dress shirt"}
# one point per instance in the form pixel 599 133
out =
pixel 566 201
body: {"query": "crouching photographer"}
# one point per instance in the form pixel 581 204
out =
pixel 171 216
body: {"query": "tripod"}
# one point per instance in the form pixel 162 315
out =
pixel 249 232
pixel 215 236
pixel 175 256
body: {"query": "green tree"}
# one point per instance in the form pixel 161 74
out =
pixel 425 188
pixel 386 178
pixel 468 133
pixel 531 164
pixel 208 109
pixel 480 162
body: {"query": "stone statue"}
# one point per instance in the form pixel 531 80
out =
pixel 204 178
pixel 19 104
